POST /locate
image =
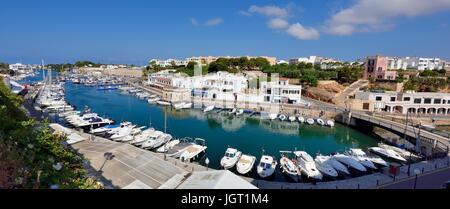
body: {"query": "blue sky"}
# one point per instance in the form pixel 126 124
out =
pixel 133 31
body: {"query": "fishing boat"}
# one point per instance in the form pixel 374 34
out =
pixel 361 157
pixel 307 165
pixel 163 103
pixel 330 123
pixel 292 118
pixel 245 164
pixel 388 153
pixel 324 166
pixel 320 122
pixel 230 158
pixel 209 108
pixel 193 152
pixel 310 121
pixel 289 168
pixel 169 145
pixel 301 119
pixel 266 166
pixel 350 162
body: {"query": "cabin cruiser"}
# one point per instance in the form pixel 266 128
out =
pixel 125 131
pixel 324 165
pixel 103 129
pixel 266 166
pixel 289 168
pixel 362 158
pixel 339 167
pixel 310 121
pixel 192 152
pixel 292 118
pixel 230 158
pixel 307 165
pixel 209 108
pixel 350 162
pixel 301 119
pixel 330 123
pixel 391 154
pixel 245 164
pixel 169 145
pixel 320 122
pixel 404 153
pixel 156 140
pixel 142 137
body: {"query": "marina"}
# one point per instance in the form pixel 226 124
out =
pixel 322 150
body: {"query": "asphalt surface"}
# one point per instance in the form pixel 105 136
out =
pixel 432 180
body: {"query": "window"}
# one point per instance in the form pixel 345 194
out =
pixel 365 106
pixel 407 99
pixel 437 101
pixel 444 101
pixel 378 98
pixel 427 101
pixel 380 69
pixel 392 99
pixel 417 101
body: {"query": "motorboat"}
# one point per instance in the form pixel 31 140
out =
pixel 388 153
pixel 233 111
pixel 292 118
pixel 324 166
pixel 142 137
pixel 153 100
pixel 169 145
pixel 339 167
pixel 362 158
pixel 307 165
pixel 178 106
pixel 230 158
pixel 239 112
pixel 301 119
pixel 103 129
pixel 157 142
pixel 266 167
pixel 404 153
pixel 186 105
pixel 350 162
pixel 245 164
pixel 163 103
pixel 282 117
pixel 209 108
pixel 330 123
pixel 125 131
pixel 320 122
pixel 289 168
pixel 310 121
pixel 192 152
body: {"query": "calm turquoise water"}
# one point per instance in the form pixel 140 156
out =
pixel 247 134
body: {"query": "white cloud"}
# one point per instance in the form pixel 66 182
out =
pixel 377 15
pixel 269 11
pixel 298 31
pixel 278 23
pixel 208 23
pixel 245 13
pixel 213 22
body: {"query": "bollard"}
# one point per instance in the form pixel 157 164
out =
pixel 358 186
pixel 378 182
pixel 336 187
pixel 435 166
pixel 394 178
pixel 423 169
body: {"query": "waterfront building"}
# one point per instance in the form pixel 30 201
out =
pixel 281 92
pixel 376 67
pixel 427 103
pixel 18 67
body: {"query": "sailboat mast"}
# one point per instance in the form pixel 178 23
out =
pixel 165 122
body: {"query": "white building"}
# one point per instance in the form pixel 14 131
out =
pixel 403 102
pixel 429 64
pixel 315 60
pixel 281 92
pixel 18 67
pixel 419 63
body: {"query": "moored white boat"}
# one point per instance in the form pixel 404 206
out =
pixel 245 164
pixel 289 168
pixel 209 108
pixel 362 158
pixel 387 153
pixel 266 166
pixel 350 162
pixel 330 123
pixel 282 117
pixel 324 166
pixel 169 145
pixel 273 116
pixel 230 158
pixel 292 118
pixel 301 119
pixel 307 165
pixel 310 121
pixel 163 103
pixel 239 112
pixel 320 122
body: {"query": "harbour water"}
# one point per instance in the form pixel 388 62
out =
pixel 220 130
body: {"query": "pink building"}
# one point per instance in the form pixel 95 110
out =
pixel 376 67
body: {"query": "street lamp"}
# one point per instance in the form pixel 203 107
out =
pixel 207 163
pixel 417 173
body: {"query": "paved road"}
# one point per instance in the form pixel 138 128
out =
pixel 432 180
pixel 342 97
